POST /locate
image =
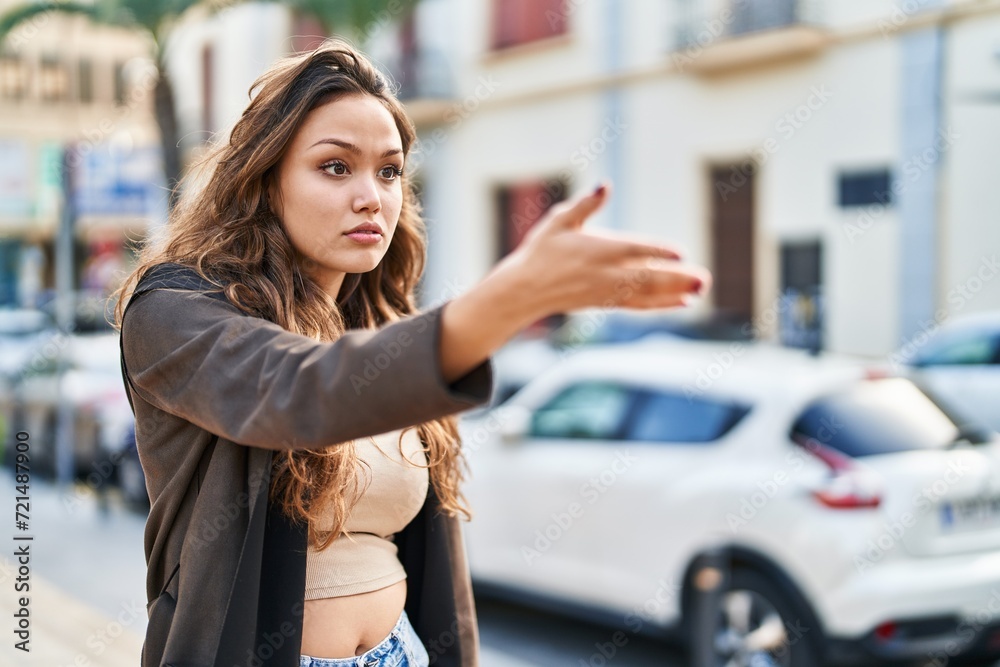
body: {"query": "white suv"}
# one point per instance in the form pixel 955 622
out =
pixel 768 507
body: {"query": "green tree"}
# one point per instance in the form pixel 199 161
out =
pixel 157 18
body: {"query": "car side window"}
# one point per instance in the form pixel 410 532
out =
pixel 588 411
pixel 967 351
pixel 668 417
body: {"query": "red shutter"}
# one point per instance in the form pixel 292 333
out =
pixel 522 21
pixel 307 33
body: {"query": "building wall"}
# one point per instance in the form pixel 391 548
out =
pixel 37 126
pixel 970 210
pixel 244 40
pixel 546 102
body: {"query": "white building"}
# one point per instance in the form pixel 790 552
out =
pixel 75 91
pixel 829 160
pixel 762 136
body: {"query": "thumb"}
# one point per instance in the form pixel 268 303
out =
pixel 572 215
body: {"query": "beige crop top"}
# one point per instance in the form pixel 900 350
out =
pixel 365 558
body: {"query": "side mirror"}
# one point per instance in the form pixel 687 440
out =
pixel 515 423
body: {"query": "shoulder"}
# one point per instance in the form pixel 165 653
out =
pixel 175 298
pixel 178 277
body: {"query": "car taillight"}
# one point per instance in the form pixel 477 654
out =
pixel 848 486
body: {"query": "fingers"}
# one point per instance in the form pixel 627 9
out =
pixel 572 214
pixel 660 284
pixel 617 245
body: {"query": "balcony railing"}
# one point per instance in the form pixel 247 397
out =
pixel 705 21
pixel 425 75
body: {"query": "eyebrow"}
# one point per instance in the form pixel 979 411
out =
pixel 354 149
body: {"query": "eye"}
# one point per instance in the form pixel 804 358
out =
pixel 336 168
pixel 390 172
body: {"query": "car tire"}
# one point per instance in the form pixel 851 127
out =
pixel 757 624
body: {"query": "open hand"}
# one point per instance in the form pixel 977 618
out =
pixel 569 268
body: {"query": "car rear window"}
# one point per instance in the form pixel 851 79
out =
pixel 877 417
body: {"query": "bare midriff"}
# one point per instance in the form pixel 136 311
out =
pixel 349 625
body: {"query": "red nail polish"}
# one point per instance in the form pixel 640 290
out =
pixel 600 189
pixel 697 286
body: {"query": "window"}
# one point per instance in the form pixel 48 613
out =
pixel 13 77
pixel 876 417
pixel 53 81
pixel 587 411
pixel 521 205
pixel 523 21
pixel 968 350
pixel 85 81
pixel 864 188
pixel 307 32
pixel 667 417
pixel 761 15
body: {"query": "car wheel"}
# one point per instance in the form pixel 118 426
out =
pixel 757 625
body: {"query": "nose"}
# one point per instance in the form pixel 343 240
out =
pixel 366 196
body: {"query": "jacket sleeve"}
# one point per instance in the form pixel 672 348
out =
pixel 252 382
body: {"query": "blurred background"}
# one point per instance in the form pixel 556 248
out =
pixel 801 468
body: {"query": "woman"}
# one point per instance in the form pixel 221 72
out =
pixel 295 412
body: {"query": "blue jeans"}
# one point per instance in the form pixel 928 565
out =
pixel 402 648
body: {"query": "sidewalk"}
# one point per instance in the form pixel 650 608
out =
pixel 67 632
pixel 86 578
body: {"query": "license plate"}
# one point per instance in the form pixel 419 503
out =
pixel 972 514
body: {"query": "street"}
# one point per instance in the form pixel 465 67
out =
pixel 87 596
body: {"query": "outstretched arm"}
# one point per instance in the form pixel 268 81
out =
pixel 559 267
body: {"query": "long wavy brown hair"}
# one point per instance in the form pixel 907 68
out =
pixel 225 229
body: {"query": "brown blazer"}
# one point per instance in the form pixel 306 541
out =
pixel 216 393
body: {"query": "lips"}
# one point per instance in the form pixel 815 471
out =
pixel 368 227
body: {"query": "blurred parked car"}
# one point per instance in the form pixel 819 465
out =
pixel 91 386
pixel 853 518
pixel 961 365
pixel 595 327
pixel 523 358
pixel 25 334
